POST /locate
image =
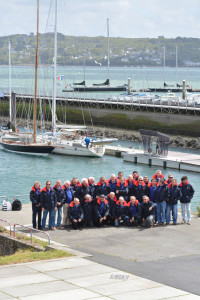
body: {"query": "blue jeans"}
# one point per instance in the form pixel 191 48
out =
pixel 174 208
pixel 51 213
pixel 59 216
pixel 160 208
pixel 125 220
pixel 186 206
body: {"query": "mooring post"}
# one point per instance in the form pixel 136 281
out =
pixel 184 89
pixel 129 86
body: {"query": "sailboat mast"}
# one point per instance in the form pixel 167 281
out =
pixel 36 69
pixel 164 62
pixel 54 74
pixel 176 62
pixel 10 112
pixel 108 35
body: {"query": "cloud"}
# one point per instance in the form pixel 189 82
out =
pixel 128 18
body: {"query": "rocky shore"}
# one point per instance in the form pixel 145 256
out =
pixel 127 135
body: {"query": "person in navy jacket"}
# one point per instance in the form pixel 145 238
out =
pixel 112 182
pixel 121 212
pixel 161 197
pixel 135 211
pixel 102 188
pixel 82 190
pixel 101 211
pixel 60 195
pixel 92 186
pixel 112 199
pixel 36 205
pixel 75 214
pixel 121 189
pixel 49 205
pixel 187 195
pixel 88 211
pixel 172 204
pixel 148 214
pixel 69 197
pixel 74 184
pixel 140 189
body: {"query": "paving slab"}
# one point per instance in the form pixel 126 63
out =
pixel 78 294
pixel 10 271
pixel 39 288
pixel 122 287
pixel 5 297
pixel 88 281
pixel 24 279
pixel 65 263
pixel 163 292
pixel 93 269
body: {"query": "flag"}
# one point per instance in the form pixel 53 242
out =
pixel 1 94
pixel 60 77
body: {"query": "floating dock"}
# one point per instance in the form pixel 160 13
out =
pixel 175 160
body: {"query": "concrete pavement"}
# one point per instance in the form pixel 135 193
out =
pixel 78 278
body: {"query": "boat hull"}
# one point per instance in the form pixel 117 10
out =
pixel 73 151
pixel 99 89
pixel 27 149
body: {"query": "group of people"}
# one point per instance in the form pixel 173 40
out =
pixel 136 201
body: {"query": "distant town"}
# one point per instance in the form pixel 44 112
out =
pixel 93 51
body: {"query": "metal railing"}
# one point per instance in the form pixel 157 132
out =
pixel 31 231
pixel 19 196
pixel 6 221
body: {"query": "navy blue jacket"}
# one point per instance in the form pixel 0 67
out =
pixel 145 209
pixel 139 192
pixel 48 200
pixel 35 197
pixel 60 195
pixel 187 192
pixel 88 211
pixel 92 188
pixel 175 194
pixel 122 190
pixel 102 190
pixel 106 210
pixel 120 211
pixel 111 204
pixel 162 193
pixel 138 210
pixel 75 212
pixel 81 192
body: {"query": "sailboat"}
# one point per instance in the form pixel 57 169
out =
pixel 67 139
pixel 99 87
pixel 29 147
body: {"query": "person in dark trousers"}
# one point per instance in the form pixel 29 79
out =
pixel 140 189
pixel 61 196
pixel 135 211
pixel 75 214
pixel 69 197
pixel 36 205
pixel 172 205
pixel 148 215
pixel 161 197
pixel 49 205
pixel 151 193
pixel 92 186
pixel 101 211
pixel 88 211
pixel 187 195
pixel 121 212
pixel 102 188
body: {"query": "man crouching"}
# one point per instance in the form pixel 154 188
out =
pixel 148 213
pixel 121 212
pixel 75 214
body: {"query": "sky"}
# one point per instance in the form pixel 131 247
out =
pixel 127 18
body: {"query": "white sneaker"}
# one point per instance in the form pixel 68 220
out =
pixel 183 222
pixel 188 222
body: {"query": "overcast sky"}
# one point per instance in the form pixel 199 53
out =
pixel 128 18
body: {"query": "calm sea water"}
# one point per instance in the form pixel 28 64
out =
pixel 18 171
pixel 23 78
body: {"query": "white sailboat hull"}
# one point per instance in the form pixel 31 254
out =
pixel 78 151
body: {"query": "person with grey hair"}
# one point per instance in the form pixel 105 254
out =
pixel 83 190
pixel 69 197
pixel 92 186
pixel 36 204
pixel 148 213
pixel 75 214
pixel 161 196
pixel 139 189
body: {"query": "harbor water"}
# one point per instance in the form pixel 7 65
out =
pixel 19 171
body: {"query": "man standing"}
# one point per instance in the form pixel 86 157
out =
pixel 36 205
pixel 69 197
pixel 60 195
pixel 49 205
pixel 187 195
pixel 161 197
pixel 172 204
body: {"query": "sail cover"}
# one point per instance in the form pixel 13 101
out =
pixel 80 83
pixel 107 82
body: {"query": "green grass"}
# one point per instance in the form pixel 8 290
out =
pixel 23 256
pixel 198 210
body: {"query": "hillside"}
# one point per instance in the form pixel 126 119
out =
pixel 123 51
